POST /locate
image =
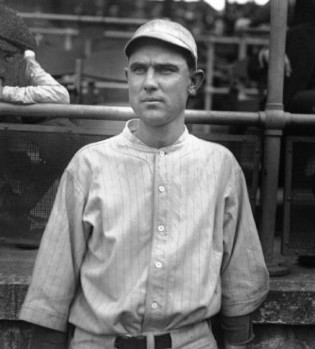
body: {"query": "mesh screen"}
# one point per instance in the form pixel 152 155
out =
pixel 300 195
pixel 31 165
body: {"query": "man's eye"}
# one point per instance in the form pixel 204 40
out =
pixel 166 70
pixel 138 70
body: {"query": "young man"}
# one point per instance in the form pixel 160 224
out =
pixel 151 233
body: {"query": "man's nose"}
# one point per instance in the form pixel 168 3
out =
pixel 150 82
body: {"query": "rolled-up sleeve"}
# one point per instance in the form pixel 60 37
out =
pixel 245 280
pixel 41 87
pixel 57 267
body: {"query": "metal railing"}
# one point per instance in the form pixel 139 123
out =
pixel 78 19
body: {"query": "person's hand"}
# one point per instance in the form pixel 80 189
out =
pixel 263 58
pixel 287 66
pixel 233 346
pixel 29 54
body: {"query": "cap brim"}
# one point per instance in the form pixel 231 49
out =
pixel 6 46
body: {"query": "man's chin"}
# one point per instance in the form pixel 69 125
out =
pixel 151 115
pixel 153 119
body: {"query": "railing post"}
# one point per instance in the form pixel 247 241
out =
pixel 242 48
pixel 209 76
pixel 274 123
pixel 68 41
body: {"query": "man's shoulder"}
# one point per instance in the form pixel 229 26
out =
pixel 211 146
pixel 94 152
pixel 98 147
pixel 217 154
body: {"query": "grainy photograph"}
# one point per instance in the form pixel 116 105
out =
pixel 157 177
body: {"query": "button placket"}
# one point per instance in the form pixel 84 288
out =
pixel 158 271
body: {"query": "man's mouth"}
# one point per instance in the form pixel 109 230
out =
pixel 151 100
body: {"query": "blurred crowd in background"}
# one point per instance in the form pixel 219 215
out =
pixel 198 16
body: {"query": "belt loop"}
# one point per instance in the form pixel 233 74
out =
pixel 150 341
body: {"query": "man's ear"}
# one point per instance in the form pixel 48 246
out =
pixel 196 80
pixel 126 72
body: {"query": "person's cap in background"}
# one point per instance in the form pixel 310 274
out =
pixel 14 33
pixel 167 31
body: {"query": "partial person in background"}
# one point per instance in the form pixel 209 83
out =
pixel 299 12
pixel 299 85
pixel 23 81
pixel 299 80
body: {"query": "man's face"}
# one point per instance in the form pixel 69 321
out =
pixel 159 81
pixel 9 64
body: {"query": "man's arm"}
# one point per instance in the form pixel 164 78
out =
pixel 41 86
pixel 244 275
pixel 56 272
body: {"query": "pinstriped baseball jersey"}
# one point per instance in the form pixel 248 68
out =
pixel 143 239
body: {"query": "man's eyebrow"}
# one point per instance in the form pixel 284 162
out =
pixel 166 65
pixel 138 64
pixel 155 65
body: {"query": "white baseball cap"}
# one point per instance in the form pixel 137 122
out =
pixel 167 31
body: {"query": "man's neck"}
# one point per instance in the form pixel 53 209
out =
pixel 159 136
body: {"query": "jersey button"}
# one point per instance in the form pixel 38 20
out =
pixel 161 189
pixel 154 305
pixel 158 265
